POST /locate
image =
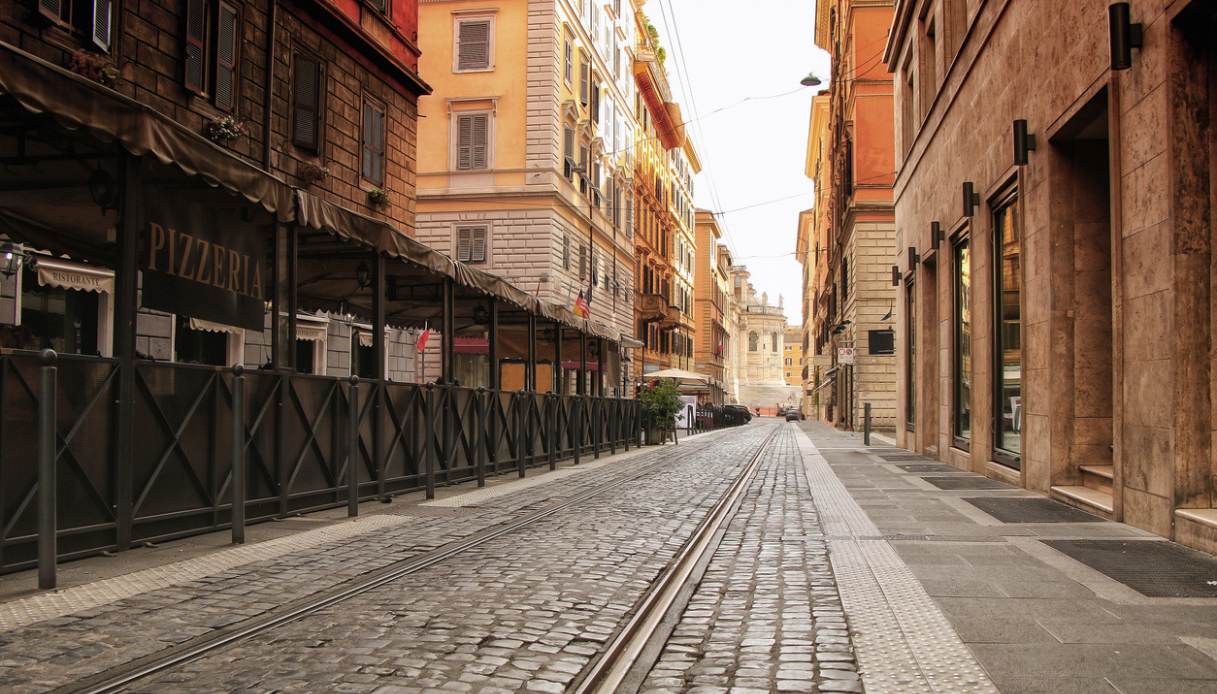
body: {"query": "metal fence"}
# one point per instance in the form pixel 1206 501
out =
pixel 297 441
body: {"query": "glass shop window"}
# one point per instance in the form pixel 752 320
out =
pixel 64 320
pixel 192 346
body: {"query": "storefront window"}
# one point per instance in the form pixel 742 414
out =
pixel 363 356
pixel 1008 371
pixel 64 320
pixel 305 354
pixel 910 393
pixel 198 346
pixel 963 342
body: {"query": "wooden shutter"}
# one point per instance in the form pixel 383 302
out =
pixel 227 35
pixel 585 75
pixel 477 245
pixel 381 5
pixel 373 138
pixel 472 144
pixel 307 89
pixel 473 45
pixel 51 9
pixel 194 46
pixel 565 252
pixel 102 10
pixel 463 243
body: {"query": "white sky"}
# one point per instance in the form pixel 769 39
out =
pixel 751 153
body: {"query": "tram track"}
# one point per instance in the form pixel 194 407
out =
pixel 625 662
pixel 119 677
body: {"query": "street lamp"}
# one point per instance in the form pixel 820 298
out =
pixel 810 80
pixel 11 257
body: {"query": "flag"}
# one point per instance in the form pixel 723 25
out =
pixel 581 307
pixel 422 339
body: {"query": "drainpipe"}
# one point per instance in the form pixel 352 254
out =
pixel 271 9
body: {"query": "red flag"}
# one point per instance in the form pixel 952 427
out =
pixel 422 339
pixel 581 308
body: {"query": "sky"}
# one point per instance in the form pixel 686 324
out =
pixel 752 153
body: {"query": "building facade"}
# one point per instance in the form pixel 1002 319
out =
pixel 713 291
pixel 849 250
pixel 327 101
pixel 762 337
pixel 1055 309
pixel 527 146
pixel 792 356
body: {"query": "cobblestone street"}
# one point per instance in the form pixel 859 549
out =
pixel 838 568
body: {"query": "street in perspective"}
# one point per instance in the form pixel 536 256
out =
pixel 599 346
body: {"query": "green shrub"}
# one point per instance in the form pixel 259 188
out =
pixel 660 404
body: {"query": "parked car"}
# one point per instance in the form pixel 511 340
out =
pixel 792 414
pixel 741 410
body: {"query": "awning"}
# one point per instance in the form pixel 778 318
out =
pixel 76 102
pixel 629 342
pixel 310 333
pixel 64 274
pixel 210 327
pixel 322 215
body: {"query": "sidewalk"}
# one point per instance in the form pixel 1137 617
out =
pixel 998 563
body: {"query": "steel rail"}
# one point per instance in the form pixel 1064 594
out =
pixel 617 663
pixel 118 677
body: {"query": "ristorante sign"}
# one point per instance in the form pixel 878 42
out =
pixel 204 263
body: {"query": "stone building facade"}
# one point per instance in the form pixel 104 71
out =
pixel 325 97
pixel 713 294
pixel 1056 304
pixel 527 146
pixel 762 338
pixel 847 241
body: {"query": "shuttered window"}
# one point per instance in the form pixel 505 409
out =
pixel 100 28
pixel 565 252
pixel 194 47
pixel 52 9
pixel 585 76
pixel 472 141
pixel 568 59
pixel 582 262
pixel 227 36
pixel 473 44
pixel 373 140
pixel 307 90
pixel 379 5
pixel 471 244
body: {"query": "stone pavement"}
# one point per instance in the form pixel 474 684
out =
pixel 766 615
pixel 1033 618
pixel 118 626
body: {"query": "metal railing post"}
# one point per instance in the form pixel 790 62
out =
pixel 479 452
pixel 551 419
pixel 47 484
pixel 866 424
pixel 353 449
pixel 521 427
pixel 432 447
pixel 576 405
pixel 238 455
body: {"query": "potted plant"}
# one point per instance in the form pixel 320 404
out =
pixel 93 66
pixel 378 197
pixel 660 405
pixel 312 173
pixel 224 129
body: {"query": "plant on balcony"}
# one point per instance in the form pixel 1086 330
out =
pixel 312 173
pixel 224 129
pixel 378 197
pixel 94 66
pixel 660 405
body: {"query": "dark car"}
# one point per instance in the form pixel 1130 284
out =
pixel 740 410
pixel 792 414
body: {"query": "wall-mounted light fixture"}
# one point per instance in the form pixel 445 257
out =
pixel 895 275
pixel 913 258
pixel 971 199
pixel 12 256
pixel 936 233
pixel 1125 35
pixel 1024 142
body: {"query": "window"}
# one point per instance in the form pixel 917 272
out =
pixel 88 17
pixel 307 107
pixel 910 356
pixel 191 346
pixel 471 244
pixel 879 342
pixel 1008 338
pixel 565 252
pixel 373 142
pixel 962 357
pixel 907 94
pixel 955 24
pixel 582 262
pixel 473 44
pixel 585 76
pixel 773 345
pixel 60 319
pixel 210 35
pixel 568 151
pixel 568 59
pixel 363 354
pixel 929 67
pixel 381 6
pixel 752 342
pixel 472 141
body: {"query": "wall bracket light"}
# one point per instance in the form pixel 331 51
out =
pixel 913 258
pixel 1125 35
pixel 895 275
pixel 971 199
pixel 1024 143
pixel 936 233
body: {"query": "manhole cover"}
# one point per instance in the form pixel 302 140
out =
pixel 1152 568
pixel 928 467
pixel 1016 510
pixel 901 456
pixel 973 482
